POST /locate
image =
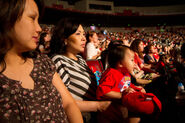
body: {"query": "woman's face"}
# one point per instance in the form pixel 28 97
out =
pixel 152 49
pixel 25 33
pixel 141 47
pixel 95 40
pixel 128 60
pixel 76 42
pixel 47 37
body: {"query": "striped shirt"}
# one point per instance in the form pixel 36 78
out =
pixel 77 77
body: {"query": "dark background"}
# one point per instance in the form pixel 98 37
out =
pixel 53 15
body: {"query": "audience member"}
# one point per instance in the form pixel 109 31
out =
pixel 116 80
pixel 67 42
pixel 92 50
pixel 30 88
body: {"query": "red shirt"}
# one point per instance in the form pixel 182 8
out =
pixel 156 56
pixel 113 80
pixel 137 60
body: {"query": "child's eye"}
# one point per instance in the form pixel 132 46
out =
pixel 77 33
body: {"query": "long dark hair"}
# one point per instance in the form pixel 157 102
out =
pixel 135 47
pixel 11 11
pixel 62 31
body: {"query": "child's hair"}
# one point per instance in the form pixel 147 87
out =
pixel 116 54
pixel 104 54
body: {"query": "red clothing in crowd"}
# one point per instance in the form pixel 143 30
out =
pixel 118 81
pixel 156 56
pixel 137 60
pixel 113 80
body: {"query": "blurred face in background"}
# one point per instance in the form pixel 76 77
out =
pixel 152 49
pixel 76 42
pixel 95 40
pixel 47 37
pixel 141 47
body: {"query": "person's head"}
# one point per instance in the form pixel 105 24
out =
pixel 150 49
pixel 47 38
pixel 68 36
pixel 42 38
pixel 121 56
pixel 137 46
pixel 19 28
pixel 92 37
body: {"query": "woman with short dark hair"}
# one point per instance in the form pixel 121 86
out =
pixel 67 42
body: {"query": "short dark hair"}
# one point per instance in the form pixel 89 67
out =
pixel 147 48
pixel 10 12
pixel 116 54
pixel 62 31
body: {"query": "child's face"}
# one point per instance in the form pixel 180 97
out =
pixel 128 60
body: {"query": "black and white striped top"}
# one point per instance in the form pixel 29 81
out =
pixel 77 77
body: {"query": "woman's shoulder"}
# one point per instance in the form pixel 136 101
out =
pixel 80 57
pixel 44 60
pixel 57 56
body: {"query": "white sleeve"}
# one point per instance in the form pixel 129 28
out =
pixel 90 51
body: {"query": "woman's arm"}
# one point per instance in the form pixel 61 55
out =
pixel 70 106
pixel 92 106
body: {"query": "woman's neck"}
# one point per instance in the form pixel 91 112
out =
pixel 12 58
pixel 71 55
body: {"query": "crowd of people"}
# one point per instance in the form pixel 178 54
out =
pixel 44 76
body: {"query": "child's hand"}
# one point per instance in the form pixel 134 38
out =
pixel 129 90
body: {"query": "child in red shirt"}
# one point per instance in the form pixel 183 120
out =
pixel 115 82
pixel 116 78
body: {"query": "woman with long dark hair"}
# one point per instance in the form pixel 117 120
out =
pixel 30 88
